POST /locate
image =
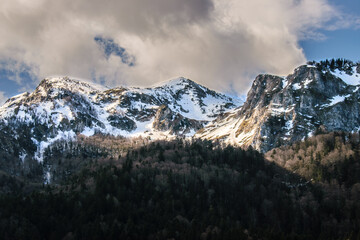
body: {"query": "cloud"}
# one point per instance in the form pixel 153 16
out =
pixel 17 71
pixel 2 98
pixel 22 76
pixel 209 41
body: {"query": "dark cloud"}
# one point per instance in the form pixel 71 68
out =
pixel 210 41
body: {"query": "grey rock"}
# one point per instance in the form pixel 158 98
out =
pixel 280 111
pixel 167 120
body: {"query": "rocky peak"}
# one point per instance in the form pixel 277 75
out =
pixel 304 81
pixel 181 81
pixel 263 87
pixel 281 110
pixel 71 84
pixel 64 107
pixel 15 100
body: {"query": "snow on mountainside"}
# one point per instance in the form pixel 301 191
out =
pixel 63 108
pixel 281 110
pixel 277 111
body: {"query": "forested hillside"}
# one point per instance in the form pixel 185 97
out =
pixel 183 190
pixel 328 158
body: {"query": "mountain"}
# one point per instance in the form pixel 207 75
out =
pixel 278 110
pixel 60 179
pixel 62 108
pixel 281 110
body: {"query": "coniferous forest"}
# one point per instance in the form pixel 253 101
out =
pixel 189 190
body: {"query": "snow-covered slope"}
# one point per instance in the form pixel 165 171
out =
pixel 281 110
pixel 63 108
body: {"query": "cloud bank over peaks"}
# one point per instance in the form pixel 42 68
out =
pixel 139 42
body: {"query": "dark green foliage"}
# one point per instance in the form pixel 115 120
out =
pixel 331 161
pixel 182 190
pixel 14 143
pixel 332 64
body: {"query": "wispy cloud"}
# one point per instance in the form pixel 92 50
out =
pixel 2 98
pixel 24 77
pixel 210 41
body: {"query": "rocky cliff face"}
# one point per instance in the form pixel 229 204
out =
pixel 62 108
pixel 281 110
pixel 175 123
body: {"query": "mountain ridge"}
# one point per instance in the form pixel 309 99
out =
pixel 281 110
pixel 278 110
pixel 61 108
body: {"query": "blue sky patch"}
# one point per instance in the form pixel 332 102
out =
pixel 15 78
pixel 112 48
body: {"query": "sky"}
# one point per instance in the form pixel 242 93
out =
pixel 220 44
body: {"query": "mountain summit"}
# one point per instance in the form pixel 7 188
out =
pixel 281 110
pixel 278 110
pixel 62 107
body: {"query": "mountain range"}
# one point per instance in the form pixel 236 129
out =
pixel 62 108
pixel 180 161
pixel 277 111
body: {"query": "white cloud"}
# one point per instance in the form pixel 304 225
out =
pixel 221 44
pixel 2 98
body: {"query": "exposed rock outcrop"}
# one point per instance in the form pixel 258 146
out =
pixel 167 120
pixel 281 110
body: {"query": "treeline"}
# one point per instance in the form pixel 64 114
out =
pixel 330 161
pixel 65 158
pixel 183 190
pixel 324 158
pixel 332 64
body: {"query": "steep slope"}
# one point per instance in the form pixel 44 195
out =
pixel 281 110
pixel 63 108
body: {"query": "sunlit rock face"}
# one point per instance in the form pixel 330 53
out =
pixel 281 110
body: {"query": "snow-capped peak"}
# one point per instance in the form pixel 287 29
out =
pixel 172 82
pixel 63 106
pixel 281 110
pixel 16 99
pixel 72 83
